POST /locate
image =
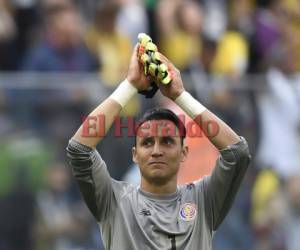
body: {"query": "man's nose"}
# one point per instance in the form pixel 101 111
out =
pixel 156 150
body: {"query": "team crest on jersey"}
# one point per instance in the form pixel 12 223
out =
pixel 188 211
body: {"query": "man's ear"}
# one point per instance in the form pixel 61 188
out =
pixel 133 150
pixel 184 153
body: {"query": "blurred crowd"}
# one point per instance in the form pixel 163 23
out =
pixel 59 58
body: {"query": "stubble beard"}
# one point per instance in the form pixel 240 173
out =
pixel 158 179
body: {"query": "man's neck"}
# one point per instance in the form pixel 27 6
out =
pixel 169 187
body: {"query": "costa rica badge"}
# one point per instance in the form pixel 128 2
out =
pixel 188 211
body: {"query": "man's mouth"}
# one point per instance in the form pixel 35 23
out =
pixel 157 162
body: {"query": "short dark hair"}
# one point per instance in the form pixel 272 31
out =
pixel 162 114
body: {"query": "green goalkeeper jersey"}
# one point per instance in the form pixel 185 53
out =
pixel 132 219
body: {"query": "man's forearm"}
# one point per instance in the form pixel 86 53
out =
pixel 107 110
pixel 218 132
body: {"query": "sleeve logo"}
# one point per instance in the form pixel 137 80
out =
pixel 188 211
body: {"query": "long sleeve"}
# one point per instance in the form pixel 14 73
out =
pixel 92 177
pixel 221 186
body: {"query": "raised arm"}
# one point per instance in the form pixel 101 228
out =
pixel 223 135
pixel 111 107
pixel 221 186
pixel 89 169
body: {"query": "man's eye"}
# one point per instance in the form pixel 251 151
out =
pixel 147 142
pixel 168 140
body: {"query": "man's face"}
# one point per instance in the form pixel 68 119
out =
pixel 67 28
pixel 158 151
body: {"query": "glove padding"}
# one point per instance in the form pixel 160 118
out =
pixel 153 65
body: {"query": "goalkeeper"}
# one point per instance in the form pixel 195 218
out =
pixel 158 214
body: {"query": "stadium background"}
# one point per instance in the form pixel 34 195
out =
pixel 60 58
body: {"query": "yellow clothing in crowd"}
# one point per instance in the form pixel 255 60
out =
pixel 181 48
pixel 232 55
pixel 265 187
pixel 292 7
pixel 113 51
